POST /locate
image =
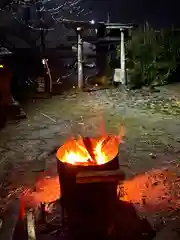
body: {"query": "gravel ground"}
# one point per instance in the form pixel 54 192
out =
pixel 151 120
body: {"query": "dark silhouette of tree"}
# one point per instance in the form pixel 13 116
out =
pixel 36 18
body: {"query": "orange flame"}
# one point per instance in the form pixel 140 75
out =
pixel 90 151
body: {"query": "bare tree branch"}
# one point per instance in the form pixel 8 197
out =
pixel 47 8
pixel 41 16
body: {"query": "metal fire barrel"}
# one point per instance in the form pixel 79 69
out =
pixel 90 206
pixel 67 172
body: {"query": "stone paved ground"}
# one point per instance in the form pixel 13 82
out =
pixel 151 120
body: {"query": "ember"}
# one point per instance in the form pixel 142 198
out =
pixel 90 151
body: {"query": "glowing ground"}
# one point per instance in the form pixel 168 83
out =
pixel 151 120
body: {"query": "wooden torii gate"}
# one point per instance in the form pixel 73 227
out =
pixel 79 26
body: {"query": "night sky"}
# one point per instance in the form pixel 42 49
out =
pixel 157 12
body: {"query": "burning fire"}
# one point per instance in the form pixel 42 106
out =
pixel 90 151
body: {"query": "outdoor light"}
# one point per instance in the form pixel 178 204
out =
pixel 1 66
pixel 44 61
pixel 92 21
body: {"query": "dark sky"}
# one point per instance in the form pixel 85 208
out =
pixel 157 12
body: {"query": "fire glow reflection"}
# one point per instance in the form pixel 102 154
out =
pixel 151 192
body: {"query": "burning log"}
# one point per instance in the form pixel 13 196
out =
pixel 94 151
pixel 88 145
pixel 31 226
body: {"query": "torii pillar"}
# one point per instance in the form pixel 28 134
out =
pixel 123 59
pixel 80 57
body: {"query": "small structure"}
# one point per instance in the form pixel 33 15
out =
pixel 79 26
pixel 122 28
